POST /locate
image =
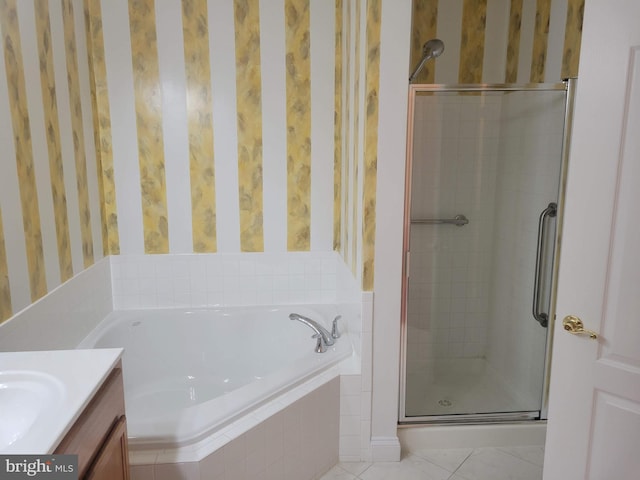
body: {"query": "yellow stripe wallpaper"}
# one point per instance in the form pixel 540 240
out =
pixel 337 136
pixel 52 127
pixel 474 21
pixel 24 153
pixel 5 289
pixel 513 42
pixel 223 196
pixel 148 103
pixel 541 35
pixel 573 34
pixel 424 27
pixel 102 126
pixel 298 124
pixel 249 107
pixel 371 142
pixel 356 141
pixel 347 65
pixel 78 132
pixel 195 30
pixel 515 18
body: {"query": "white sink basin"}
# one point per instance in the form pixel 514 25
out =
pixel 42 393
pixel 26 399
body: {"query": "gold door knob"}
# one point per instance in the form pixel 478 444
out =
pixel 574 325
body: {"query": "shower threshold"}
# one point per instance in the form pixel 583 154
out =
pixel 472 418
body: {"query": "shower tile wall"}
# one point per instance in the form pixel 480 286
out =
pixel 454 172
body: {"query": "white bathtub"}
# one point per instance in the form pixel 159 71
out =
pixel 188 373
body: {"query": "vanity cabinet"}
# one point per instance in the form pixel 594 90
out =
pixel 99 436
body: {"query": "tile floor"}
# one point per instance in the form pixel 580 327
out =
pixel 500 463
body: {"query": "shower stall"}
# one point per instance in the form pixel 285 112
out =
pixel 484 181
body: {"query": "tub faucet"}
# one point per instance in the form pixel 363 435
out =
pixel 322 334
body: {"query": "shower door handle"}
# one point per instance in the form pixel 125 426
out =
pixel 541 317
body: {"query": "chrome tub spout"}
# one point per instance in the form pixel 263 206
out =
pixel 322 333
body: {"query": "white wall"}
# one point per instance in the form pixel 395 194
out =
pixel 394 64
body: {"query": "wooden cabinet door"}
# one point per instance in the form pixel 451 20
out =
pixel 112 463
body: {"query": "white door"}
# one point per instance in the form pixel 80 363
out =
pixel 594 407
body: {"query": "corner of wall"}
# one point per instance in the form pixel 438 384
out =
pixel 64 316
pixel 394 65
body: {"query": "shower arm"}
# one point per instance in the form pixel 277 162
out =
pixel 431 49
pixel 418 69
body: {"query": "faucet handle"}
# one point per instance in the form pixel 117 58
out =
pixel 335 333
pixel 321 347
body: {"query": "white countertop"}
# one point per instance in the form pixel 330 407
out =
pixel 73 375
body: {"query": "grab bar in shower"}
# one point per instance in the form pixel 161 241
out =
pixel 458 221
pixel 541 317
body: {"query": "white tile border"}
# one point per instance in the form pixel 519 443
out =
pixel 63 317
pixel 207 280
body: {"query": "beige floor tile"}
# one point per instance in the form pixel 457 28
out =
pixel 411 467
pixel 449 459
pixel 493 464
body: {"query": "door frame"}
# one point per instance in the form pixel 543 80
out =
pixel 566 149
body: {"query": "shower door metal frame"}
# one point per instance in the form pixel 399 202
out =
pixel 567 86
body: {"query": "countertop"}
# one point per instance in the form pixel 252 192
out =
pixel 74 376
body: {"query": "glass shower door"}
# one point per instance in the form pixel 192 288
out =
pixel 484 167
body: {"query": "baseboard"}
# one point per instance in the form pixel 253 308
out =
pixel 385 449
pixel 472 436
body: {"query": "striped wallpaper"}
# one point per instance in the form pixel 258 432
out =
pixel 249 131
pixel 498 41
pixel 73 77
pixel 252 134
pixel 23 144
pixel 5 289
pixel 298 68
pixel 369 175
pixel 49 194
pixel 355 163
pixel 101 126
pixel 148 105
pixel 200 128
pixel 338 122
pixel 179 126
pixel 56 166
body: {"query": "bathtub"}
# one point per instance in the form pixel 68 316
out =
pixel 190 372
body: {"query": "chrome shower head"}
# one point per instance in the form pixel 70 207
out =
pixel 431 49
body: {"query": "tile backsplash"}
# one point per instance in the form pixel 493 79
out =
pixel 205 280
pixel 64 316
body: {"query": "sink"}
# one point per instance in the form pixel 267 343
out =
pixel 27 398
